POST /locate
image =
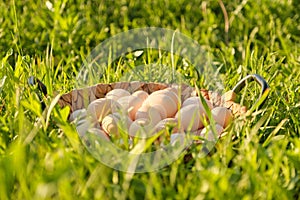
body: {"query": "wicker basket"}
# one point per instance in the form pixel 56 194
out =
pixel 80 98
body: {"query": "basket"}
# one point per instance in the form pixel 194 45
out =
pixel 80 98
pixel 77 99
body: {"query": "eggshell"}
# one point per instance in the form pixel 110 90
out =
pixel 222 116
pixel 130 104
pixel 99 108
pixel 163 124
pixel 196 100
pixel 142 112
pixel 150 113
pixel 77 114
pixel 113 122
pixel 164 100
pixel 100 133
pixel 115 94
pixel 161 109
pixel 141 94
pixel 208 134
pixel 190 117
pixel 141 128
pixel 169 92
pixel 173 89
pixel 83 125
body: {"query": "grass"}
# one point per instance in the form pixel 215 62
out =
pixel 41 156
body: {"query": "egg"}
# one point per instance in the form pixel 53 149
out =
pixel 164 124
pixel 100 133
pixel 141 128
pixel 190 117
pixel 141 94
pixel 162 99
pixel 222 116
pixel 142 112
pixel 152 113
pixel 115 94
pixel 83 125
pixel 130 104
pixel 113 122
pixel 99 108
pixel 162 111
pixel 208 134
pixel 173 89
pixel 169 92
pixel 196 100
pixel 77 114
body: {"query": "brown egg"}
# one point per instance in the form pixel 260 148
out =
pixel 141 128
pixel 162 110
pixel 142 112
pixel 169 92
pixel 196 100
pixel 77 114
pixel 208 134
pixel 191 117
pixel 164 100
pixel 222 116
pixel 116 94
pixel 168 122
pixel 141 94
pixel 113 122
pixel 100 133
pixel 150 113
pixel 131 104
pixel 99 108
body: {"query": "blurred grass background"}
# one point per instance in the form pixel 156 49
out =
pixel 41 156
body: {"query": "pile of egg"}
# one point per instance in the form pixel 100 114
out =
pixel 143 115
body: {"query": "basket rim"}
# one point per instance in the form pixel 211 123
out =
pixel 100 90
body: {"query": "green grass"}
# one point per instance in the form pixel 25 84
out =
pixel 41 156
